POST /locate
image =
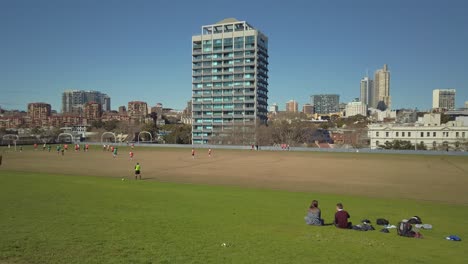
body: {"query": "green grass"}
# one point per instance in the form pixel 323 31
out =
pixel 75 219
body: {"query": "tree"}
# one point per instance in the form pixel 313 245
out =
pixel 179 134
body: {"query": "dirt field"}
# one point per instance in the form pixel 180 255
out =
pixel 432 178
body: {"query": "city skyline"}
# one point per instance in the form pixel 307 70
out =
pixel 113 49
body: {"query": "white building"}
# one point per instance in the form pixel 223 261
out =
pixel 443 99
pixel 273 108
pixel 380 116
pixel 356 108
pixel 430 132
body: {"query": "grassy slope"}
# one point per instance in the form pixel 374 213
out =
pixel 62 219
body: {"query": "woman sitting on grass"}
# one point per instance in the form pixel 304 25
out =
pixel 314 215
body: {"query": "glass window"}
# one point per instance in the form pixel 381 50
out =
pixel 397 134
pixel 402 134
pixel 386 134
pixel 433 134
pixel 456 134
pixel 463 134
pixel 428 134
pixel 422 134
pixel 409 134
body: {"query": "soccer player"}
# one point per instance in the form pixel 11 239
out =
pixel 209 153
pixel 86 147
pixel 35 146
pixel 58 149
pixel 115 152
pixel 65 146
pixel 193 153
pixel 137 171
pixel 131 155
pixel 133 145
pixel 44 147
pixel 49 147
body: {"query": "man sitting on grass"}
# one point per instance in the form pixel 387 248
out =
pixel 341 217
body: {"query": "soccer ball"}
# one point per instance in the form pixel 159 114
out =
pixel 123 179
pixel 223 244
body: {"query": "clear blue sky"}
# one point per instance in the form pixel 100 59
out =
pixel 141 50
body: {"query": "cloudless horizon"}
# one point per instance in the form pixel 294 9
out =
pixel 141 50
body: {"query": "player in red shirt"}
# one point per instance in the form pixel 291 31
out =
pixel 86 147
pixel 35 146
pixel 193 153
pixel 131 155
pixel 209 153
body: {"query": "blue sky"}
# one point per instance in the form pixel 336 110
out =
pixel 141 50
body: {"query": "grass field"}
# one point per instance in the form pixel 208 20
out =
pixel 62 210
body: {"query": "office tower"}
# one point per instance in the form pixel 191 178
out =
pixel 137 110
pixel 382 88
pixel 326 103
pixel 367 89
pixel 73 101
pixel 443 99
pixel 229 81
pixel 292 106
pixel 39 111
pixel 308 109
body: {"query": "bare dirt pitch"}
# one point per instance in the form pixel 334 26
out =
pixel 432 178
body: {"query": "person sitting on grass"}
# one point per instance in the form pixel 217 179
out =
pixel 341 217
pixel 314 215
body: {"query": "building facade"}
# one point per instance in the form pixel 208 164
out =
pixel 229 81
pixel 356 108
pixel 326 103
pixel 443 99
pixel 429 132
pixel 137 110
pixel 292 106
pixel 367 90
pixel 308 109
pixel 39 113
pixel 73 101
pixel 382 88
pixel 92 111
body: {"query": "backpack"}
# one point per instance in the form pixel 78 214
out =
pixel 404 229
pixel 382 221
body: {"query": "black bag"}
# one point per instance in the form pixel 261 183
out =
pixel 381 221
pixel 404 229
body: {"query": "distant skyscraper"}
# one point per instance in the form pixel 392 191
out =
pixel 367 89
pixel 382 88
pixel 443 99
pixel 73 101
pixel 326 103
pixel 229 81
pixel 292 106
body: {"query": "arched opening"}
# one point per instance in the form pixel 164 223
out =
pixel 108 135
pixel 64 135
pixel 145 133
